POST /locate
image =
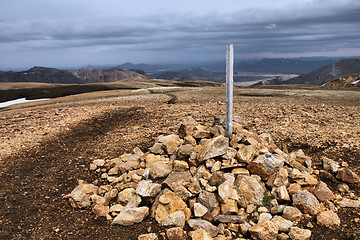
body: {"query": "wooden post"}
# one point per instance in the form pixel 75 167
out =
pixel 229 88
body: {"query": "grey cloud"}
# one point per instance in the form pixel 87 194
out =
pixel 284 30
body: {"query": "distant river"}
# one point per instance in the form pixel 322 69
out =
pixel 20 100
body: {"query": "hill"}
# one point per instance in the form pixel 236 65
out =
pixel 351 82
pixel 328 73
pixel 53 75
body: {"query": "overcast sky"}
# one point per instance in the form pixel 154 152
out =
pixel 58 33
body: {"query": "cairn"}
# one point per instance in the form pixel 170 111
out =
pixel 244 187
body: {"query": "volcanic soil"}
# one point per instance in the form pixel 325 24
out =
pixel 46 147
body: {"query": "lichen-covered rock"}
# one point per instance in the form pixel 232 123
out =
pixel 250 191
pixel 170 143
pixel 169 203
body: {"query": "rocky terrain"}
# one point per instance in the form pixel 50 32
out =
pixel 47 148
pixel 53 75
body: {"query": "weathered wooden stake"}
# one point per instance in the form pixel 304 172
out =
pixel 229 89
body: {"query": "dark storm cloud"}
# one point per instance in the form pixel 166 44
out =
pixel 313 26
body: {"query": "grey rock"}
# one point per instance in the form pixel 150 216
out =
pixel 130 216
pixel 283 224
pixel 330 165
pixel 147 188
pixel 306 202
pixel 323 193
pixel 208 199
pixel 292 213
pixel 205 225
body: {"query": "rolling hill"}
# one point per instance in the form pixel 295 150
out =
pixel 328 73
pixel 349 82
pixel 53 75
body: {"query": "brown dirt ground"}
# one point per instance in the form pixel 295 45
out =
pixel 46 148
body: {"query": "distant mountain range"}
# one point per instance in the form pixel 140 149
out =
pixel 266 65
pixel 318 71
pixel 53 75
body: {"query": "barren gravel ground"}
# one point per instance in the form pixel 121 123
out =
pixel 46 147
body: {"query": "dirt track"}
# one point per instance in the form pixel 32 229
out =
pixel 45 149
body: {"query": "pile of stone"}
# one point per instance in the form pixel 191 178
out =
pixel 216 187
